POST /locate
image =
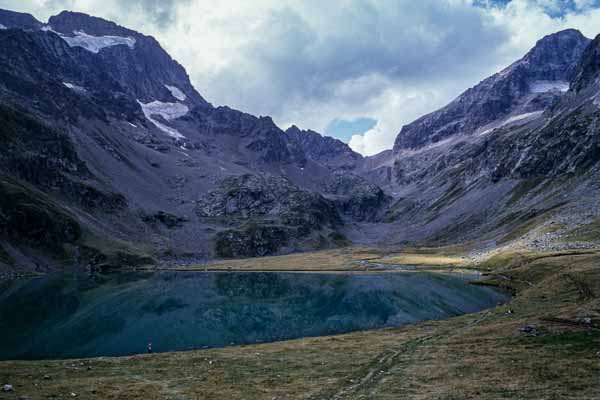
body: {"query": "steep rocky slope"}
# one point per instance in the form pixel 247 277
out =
pixel 330 152
pixel 525 87
pixel 531 173
pixel 101 119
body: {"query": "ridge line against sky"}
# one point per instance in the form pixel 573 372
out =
pixel 354 69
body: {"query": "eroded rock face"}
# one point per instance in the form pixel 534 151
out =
pixel 356 197
pixel 252 241
pixel 142 69
pixel 587 73
pixel 12 19
pixel 309 145
pixel 267 196
pixel 48 159
pixel 528 85
pixel 168 220
pixel 565 140
pixel 269 212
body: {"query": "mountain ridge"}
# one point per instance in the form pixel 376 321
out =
pixel 525 86
pixel 165 175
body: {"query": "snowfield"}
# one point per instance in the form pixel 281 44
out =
pixel 519 117
pixel 74 87
pixel 548 86
pixel 96 43
pixel 168 111
pixel 176 92
pixel 3 27
pixel 509 120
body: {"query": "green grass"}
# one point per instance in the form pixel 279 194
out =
pixel 578 341
pixel 482 356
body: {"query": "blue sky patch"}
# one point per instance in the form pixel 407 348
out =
pixel 343 129
pixel 555 9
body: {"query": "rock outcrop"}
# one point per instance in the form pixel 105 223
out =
pixel 310 145
pixel 356 197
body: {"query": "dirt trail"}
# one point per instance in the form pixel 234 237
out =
pixel 365 380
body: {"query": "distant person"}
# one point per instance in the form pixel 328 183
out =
pixel 149 347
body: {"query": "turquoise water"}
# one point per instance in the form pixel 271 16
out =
pixel 72 315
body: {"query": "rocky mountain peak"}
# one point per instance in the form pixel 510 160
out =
pixel 68 22
pixel 144 70
pixel 552 57
pixel 588 71
pixel 12 19
pixel 320 148
pixel 529 85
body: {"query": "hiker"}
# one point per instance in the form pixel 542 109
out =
pixel 149 347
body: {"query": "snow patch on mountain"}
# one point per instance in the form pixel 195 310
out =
pixel 168 111
pixel 96 43
pixel 74 87
pixel 520 117
pixel 176 92
pixel 548 86
pixel 3 27
pixel 445 143
pixel 510 120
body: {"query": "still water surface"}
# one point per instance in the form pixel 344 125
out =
pixel 73 315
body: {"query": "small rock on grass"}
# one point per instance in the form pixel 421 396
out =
pixel 7 388
pixel 529 330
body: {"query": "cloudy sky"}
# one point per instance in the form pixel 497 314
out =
pixel 354 69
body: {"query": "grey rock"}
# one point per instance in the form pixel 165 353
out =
pixel 529 330
pixel 11 19
pixel 309 145
pixel 356 197
pixel 553 58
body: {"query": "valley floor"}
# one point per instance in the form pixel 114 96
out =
pixel 544 344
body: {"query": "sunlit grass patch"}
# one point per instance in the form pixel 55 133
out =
pixel 413 259
pixel 327 260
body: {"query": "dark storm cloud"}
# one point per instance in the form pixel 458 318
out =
pixel 161 13
pixel 367 45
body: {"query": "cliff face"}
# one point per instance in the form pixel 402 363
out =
pixel 527 86
pixel 108 122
